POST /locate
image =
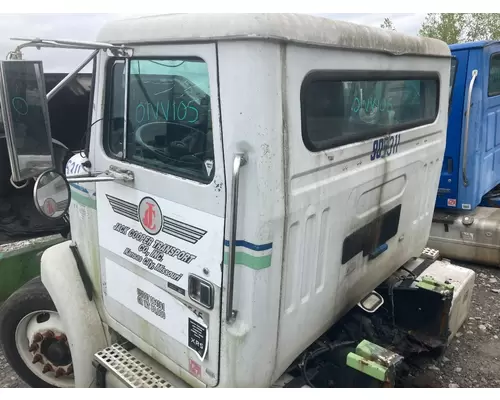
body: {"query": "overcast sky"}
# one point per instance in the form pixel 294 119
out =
pixel 86 27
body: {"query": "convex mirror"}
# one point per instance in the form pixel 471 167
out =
pixel 52 195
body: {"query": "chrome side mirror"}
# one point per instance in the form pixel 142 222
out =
pixel 25 114
pixel 52 195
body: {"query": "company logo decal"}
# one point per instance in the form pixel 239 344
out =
pixel 49 206
pixel 149 215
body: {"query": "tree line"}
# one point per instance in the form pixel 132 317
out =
pixel 457 28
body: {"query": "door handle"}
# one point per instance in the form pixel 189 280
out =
pixel 466 133
pixel 120 173
pixel 238 161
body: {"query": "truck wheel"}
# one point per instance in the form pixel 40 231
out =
pixel 33 339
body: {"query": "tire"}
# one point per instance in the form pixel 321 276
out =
pixel 31 297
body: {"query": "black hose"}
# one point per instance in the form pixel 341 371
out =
pixel 391 296
pixel 316 353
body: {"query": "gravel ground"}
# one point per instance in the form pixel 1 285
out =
pixel 8 378
pixel 471 360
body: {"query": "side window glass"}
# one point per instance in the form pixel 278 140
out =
pixel 494 76
pixel 169 125
pixel 115 109
pixel 336 112
pixel 453 73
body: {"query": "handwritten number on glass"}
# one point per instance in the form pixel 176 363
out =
pixel 20 105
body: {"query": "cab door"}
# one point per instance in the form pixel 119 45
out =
pixel 451 170
pixel 489 117
pixel 161 221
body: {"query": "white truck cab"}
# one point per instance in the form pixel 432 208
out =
pixel 248 180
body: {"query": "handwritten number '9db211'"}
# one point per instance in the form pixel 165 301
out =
pixel 385 147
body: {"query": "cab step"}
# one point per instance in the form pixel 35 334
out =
pixel 131 371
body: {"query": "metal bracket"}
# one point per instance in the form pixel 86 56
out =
pixel 111 174
pixel 123 52
pixel 72 44
pixel 100 375
pixel 111 50
pixel 120 173
pixel 71 75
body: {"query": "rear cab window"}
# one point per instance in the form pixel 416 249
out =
pixel 494 76
pixel 343 108
pixel 168 117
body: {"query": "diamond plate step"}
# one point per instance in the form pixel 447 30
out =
pixel 130 370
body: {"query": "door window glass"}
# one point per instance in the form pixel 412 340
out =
pixel 169 126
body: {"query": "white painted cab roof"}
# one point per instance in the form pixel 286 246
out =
pixel 296 28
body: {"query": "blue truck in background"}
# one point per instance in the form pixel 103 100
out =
pixel 471 166
pixel 466 223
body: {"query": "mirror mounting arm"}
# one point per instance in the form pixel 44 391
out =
pixel 112 174
pixel 90 178
pixel 113 50
pixel 122 50
pixel 71 75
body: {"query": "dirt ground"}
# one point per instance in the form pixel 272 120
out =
pixel 471 360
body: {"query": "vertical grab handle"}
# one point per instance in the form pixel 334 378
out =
pixel 238 162
pixel 466 133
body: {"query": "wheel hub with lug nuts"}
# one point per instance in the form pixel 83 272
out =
pixel 52 351
pixel 45 348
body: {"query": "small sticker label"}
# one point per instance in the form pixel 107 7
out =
pixel 209 166
pixel 151 303
pixel 466 206
pixel 452 202
pixel 49 206
pixel 194 368
pixel 197 338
